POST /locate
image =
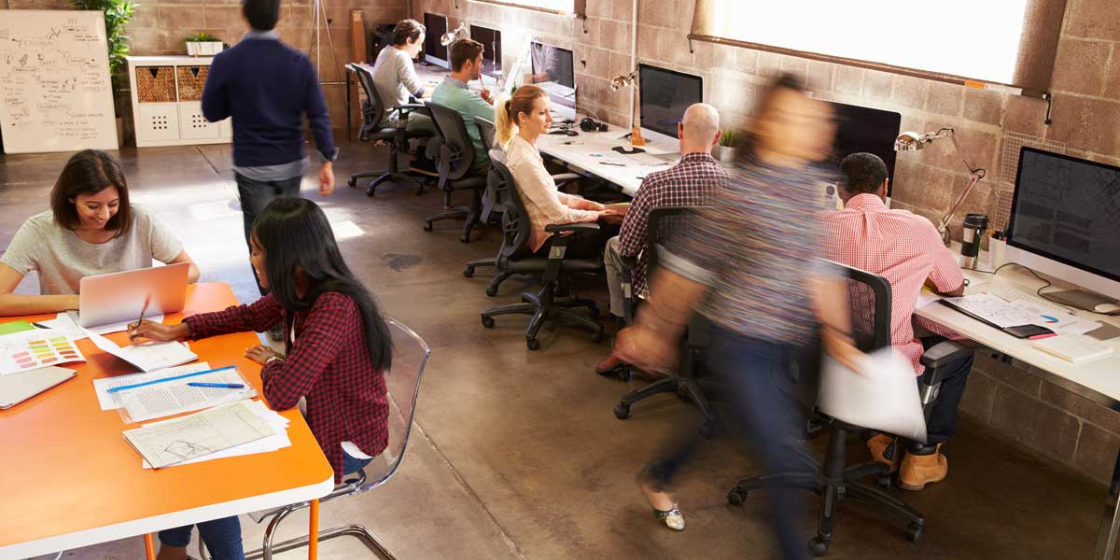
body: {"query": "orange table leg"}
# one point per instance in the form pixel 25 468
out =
pixel 313 535
pixel 149 547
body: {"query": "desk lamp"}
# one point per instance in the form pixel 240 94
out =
pixel 624 81
pixel 453 36
pixel 908 141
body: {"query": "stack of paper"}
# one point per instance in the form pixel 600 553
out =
pixel 148 356
pixel 274 442
pixel 113 400
pixel 35 349
pixel 170 393
pixel 198 435
pixel 881 395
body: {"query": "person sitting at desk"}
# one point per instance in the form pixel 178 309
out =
pixel 394 76
pixel 452 92
pixel 529 111
pixel 338 348
pixel 91 229
pixel 905 249
pixel 694 179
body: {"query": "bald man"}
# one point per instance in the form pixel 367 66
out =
pixel 688 183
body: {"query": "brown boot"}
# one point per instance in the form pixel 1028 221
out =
pixel 881 446
pixel 919 470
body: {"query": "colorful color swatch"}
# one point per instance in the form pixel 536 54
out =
pixel 40 352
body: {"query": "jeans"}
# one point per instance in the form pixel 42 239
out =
pixel 756 380
pixel 255 196
pixel 942 421
pixel 612 261
pixel 352 464
pixel 222 537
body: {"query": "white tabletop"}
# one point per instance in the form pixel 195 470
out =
pixel 172 60
pixel 593 152
pixel 1098 380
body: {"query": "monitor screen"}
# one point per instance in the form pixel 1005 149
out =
pixel 863 129
pixel 491 40
pixel 553 70
pixel 665 96
pixel 434 52
pixel 1068 210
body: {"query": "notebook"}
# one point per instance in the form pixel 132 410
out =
pixel 1076 348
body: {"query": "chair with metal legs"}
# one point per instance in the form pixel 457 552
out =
pixel 410 354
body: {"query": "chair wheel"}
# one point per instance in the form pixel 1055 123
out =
pixel 464 239
pixel 370 191
pixel 621 411
pixel 491 291
pixel 707 429
pixel 597 337
pixel 736 497
pixel 352 182
pixel 488 322
pixel 468 272
pixel 818 546
pixel 427 226
pixel 884 480
pixel 913 532
pixel 533 343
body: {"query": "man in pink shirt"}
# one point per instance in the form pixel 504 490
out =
pixel 905 249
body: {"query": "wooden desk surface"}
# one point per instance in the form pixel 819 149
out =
pixel 68 478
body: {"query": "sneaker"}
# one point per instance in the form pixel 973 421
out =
pixel 276 333
pixel 423 166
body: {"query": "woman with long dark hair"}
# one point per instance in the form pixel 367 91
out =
pixel 338 347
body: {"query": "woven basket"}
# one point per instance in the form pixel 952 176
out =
pixel 155 84
pixel 191 81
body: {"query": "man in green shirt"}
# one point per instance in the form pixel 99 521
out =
pixel 452 92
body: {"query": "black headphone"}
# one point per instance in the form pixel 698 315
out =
pixel 589 124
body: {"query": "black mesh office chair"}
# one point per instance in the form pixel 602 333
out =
pixel 662 224
pixel 456 171
pixel 555 271
pixel 870 304
pixel 396 135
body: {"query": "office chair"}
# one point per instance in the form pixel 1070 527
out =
pixel 870 301
pixel 397 136
pixel 517 258
pixel 410 354
pixel 662 224
pixel 456 173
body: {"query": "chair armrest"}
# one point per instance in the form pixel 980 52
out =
pixel 943 353
pixel 564 228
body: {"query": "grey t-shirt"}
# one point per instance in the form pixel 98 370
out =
pixel 63 259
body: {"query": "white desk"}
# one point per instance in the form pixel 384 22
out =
pixel 1098 380
pixel 593 153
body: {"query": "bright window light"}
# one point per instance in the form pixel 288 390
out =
pixel 566 6
pixel 969 38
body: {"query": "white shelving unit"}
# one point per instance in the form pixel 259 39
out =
pixel 167 102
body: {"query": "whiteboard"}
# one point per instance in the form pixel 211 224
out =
pixel 55 92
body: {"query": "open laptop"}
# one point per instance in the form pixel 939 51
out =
pixel 114 298
pixel 18 387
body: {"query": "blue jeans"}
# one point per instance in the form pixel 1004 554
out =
pixel 222 537
pixel 351 464
pixel 255 196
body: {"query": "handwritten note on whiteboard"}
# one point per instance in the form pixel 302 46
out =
pixel 55 91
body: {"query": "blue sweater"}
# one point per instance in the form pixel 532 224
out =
pixel 267 86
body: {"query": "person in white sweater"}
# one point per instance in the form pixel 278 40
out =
pixel 394 76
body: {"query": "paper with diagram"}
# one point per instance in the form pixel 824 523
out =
pixel 274 442
pixel 198 435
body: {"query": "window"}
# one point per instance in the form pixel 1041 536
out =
pixel 1009 42
pixel 556 6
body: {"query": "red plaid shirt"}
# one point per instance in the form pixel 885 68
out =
pixel 902 247
pixel 328 362
pixel 688 183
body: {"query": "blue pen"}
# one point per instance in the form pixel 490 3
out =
pixel 217 385
pixel 184 376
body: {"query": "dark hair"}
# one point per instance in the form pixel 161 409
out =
pixel 262 14
pixel 462 51
pixel 407 30
pixel 89 172
pixel 294 232
pixel 863 172
pixel 747 139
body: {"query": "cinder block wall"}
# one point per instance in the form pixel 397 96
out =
pixel 1086 117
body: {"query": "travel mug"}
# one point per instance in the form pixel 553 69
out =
pixel 974 227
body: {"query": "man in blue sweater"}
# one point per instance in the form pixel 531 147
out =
pixel 267 86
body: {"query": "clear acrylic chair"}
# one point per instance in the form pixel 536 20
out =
pixel 410 353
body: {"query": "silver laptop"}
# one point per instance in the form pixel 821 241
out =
pixel 118 297
pixel 18 387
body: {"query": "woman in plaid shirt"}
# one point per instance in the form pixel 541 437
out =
pixel 336 360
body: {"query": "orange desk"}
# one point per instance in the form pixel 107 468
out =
pixel 69 479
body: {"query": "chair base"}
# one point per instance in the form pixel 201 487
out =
pixel 357 531
pixel 469 216
pixel 492 289
pixel 687 388
pixel 386 176
pixel 543 306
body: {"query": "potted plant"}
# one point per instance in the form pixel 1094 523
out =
pixel 203 44
pixel 726 150
pixel 117 15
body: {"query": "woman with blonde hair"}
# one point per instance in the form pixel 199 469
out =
pixel 521 120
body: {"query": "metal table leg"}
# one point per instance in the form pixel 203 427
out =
pixel 313 533
pixel 1110 522
pixel 149 547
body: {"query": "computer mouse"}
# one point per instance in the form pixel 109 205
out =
pixel 1108 308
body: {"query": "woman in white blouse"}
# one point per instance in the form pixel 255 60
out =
pixel 529 111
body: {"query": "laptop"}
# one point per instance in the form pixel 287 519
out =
pixel 119 297
pixel 18 387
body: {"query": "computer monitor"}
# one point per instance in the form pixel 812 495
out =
pixel 665 96
pixel 863 129
pixel 434 52
pixel 553 70
pixel 491 40
pixel 1065 222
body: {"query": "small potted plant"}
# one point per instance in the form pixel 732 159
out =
pixel 203 44
pixel 726 150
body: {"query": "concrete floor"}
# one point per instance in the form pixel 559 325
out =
pixel 517 454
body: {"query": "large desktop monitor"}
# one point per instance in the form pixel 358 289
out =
pixel 665 96
pixel 434 52
pixel 863 129
pixel 1065 222
pixel 491 40
pixel 553 70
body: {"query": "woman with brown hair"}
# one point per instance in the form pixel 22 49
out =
pixel 91 229
pixel 521 120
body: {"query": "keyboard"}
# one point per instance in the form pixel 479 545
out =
pixel 1011 295
pixel 1076 348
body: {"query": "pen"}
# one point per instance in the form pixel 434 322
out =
pixel 612 163
pixel 39 325
pixel 1042 336
pixel 218 385
pixel 184 376
pixel 144 309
